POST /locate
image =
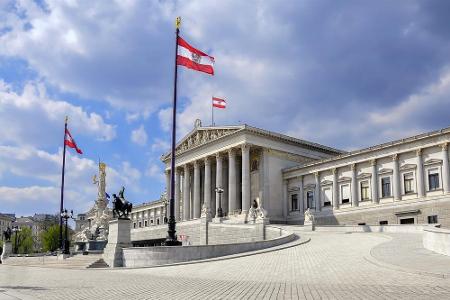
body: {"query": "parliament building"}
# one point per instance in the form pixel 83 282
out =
pixel 399 182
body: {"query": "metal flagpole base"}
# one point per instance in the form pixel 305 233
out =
pixel 171 239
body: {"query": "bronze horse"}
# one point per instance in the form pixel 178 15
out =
pixel 121 207
pixel 7 234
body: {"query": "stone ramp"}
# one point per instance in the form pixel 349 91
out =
pixel 406 252
pixel 73 262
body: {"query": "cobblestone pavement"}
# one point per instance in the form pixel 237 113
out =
pixel 331 266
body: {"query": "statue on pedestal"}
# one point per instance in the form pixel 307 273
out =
pixel 96 227
pixel 7 234
pixel 121 206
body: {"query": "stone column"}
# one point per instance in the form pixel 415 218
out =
pixel 374 186
pixel 335 189
pixel 167 172
pixel 445 168
pixel 196 190
pixel 301 200
pixel 207 189
pixel 245 178
pixel 186 206
pixel 317 192
pixel 232 202
pixel 396 178
pixel 219 183
pixel 355 200
pixel 285 200
pixel 420 181
pixel 177 194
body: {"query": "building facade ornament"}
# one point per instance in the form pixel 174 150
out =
pixel 373 162
pixel 444 146
pixel 419 152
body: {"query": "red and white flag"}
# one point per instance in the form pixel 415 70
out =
pixel 193 58
pixel 70 142
pixel 219 103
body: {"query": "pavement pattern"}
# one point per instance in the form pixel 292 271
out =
pixel 330 266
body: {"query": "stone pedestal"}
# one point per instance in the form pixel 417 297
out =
pixel 119 238
pixel 308 226
pixel 7 250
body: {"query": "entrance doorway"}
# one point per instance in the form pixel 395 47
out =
pixel 407 221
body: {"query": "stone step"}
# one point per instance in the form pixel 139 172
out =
pixel 98 264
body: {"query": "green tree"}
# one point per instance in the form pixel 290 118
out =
pixel 50 238
pixel 24 240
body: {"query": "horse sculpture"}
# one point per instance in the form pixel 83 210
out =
pixel 7 234
pixel 121 206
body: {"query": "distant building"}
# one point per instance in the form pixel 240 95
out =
pixel 5 222
pixel 38 224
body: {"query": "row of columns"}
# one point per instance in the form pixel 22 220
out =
pixel 233 201
pixel 396 187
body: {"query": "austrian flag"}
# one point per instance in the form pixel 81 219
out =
pixel 70 142
pixel 193 58
pixel 219 103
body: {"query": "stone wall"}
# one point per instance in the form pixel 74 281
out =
pixel 232 233
pixel 419 210
pixel 437 240
pixel 190 229
pixel 152 256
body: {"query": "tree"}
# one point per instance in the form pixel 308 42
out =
pixel 24 240
pixel 50 238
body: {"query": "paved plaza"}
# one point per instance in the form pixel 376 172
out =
pixel 330 266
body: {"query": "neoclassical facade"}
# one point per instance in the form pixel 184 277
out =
pixel 400 182
pixel 245 162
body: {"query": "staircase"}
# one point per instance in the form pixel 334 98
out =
pixel 73 262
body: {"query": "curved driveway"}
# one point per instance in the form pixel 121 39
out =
pixel 331 266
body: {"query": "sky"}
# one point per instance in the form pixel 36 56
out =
pixel 347 74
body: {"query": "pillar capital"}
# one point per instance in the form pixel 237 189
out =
pixel 231 152
pixel 353 167
pixel 419 152
pixel 373 162
pixel 167 172
pixel 245 147
pixel 395 157
pixel 444 146
pixel 196 164
pixel 207 161
pixel 317 174
pixel 218 156
pixel 334 171
pixel 186 167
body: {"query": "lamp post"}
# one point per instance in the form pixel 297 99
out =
pixel 66 216
pixel 219 190
pixel 16 229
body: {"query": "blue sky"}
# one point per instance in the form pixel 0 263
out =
pixel 347 74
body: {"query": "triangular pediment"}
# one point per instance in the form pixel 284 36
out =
pixel 408 167
pixel 433 161
pixel 201 136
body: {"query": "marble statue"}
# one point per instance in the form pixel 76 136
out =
pixel 309 217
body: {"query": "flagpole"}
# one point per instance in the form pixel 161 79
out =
pixel 171 239
pixel 62 187
pixel 212 114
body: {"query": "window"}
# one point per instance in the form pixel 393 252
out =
pixel 408 182
pixel 327 196
pixel 407 221
pixel 433 180
pixel 294 202
pixel 432 219
pixel 310 199
pixel 134 225
pixel 364 190
pixel 151 221
pixel 385 187
pixel 145 223
pixel 157 221
pixel 361 224
pixel 140 224
pixel 383 222
pixel 345 193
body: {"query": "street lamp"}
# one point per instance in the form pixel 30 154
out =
pixel 66 216
pixel 16 229
pixel 219 190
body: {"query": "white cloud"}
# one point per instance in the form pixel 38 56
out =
pixel 129 173
pixel 38 120
pixel 139 136
pixel 160 146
